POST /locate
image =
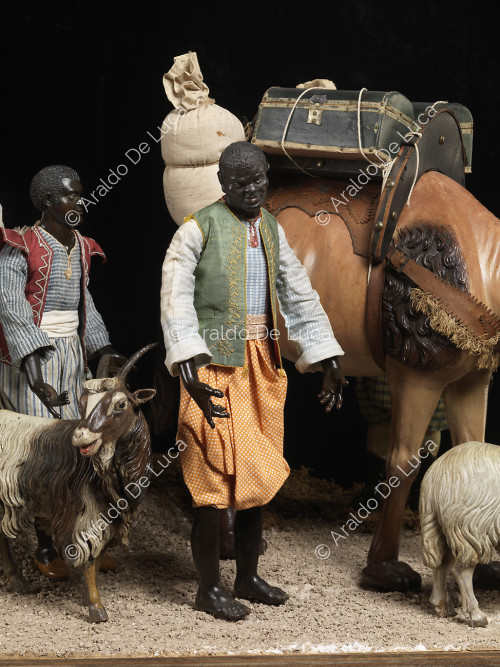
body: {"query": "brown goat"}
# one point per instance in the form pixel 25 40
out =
pixel 79 478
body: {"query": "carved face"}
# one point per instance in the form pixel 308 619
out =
pixel 67 207
pixel 245 188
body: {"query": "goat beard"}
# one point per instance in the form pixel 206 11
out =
pixel 102 459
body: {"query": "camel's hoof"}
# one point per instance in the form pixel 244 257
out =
pixel 97 613
pixel 18 584
pixel 487 575
pixel 394 575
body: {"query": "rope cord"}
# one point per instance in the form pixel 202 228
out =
pixel 387 166
pixel 286 130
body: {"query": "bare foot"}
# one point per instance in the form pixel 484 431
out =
pixel 258 590
pixel 218 602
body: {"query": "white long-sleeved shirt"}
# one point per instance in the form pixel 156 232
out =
pixel 306 321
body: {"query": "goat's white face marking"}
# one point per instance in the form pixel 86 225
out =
pixel 92 401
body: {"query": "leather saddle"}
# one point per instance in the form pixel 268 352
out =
pixel 371 214
pixel 438 146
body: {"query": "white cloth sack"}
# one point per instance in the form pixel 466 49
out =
pixel 194 135
pixel 187 189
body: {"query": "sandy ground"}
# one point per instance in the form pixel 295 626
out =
pixel 149 598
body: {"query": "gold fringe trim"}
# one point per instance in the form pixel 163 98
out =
pixel 445 324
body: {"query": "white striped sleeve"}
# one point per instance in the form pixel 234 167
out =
pixel 21 333
pixel 96 335
pixel 307 323
pixel 178 315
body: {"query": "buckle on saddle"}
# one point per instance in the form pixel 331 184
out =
pixel 398 259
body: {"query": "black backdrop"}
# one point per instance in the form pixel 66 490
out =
pixel 81 83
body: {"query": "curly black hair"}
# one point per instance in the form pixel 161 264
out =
pixel 240 155
pixel 49 181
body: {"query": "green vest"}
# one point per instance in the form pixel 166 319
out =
pixel 220 281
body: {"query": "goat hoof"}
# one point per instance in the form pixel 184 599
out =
pixel 18 584
pixel 394 575
pixel 56 569
pixel 97 613
pixel 475 620
pixel 444 609
pixel 478 621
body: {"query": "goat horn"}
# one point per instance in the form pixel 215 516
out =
pixel 124 370
pixel 103 367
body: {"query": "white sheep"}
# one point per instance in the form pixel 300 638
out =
pixel 460 520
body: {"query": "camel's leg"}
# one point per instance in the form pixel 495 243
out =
pixel 466 401
pixel 17 583
pixel 414 399
pixel 439 598
pixel 470 606
pixel 91 596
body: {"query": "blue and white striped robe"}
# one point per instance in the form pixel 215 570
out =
pixel 62 358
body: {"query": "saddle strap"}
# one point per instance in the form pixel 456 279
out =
pixel 374 296
pixel 464 308
pixel 440 147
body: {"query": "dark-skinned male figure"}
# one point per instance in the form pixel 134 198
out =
pixel 224 273
pixel 48 320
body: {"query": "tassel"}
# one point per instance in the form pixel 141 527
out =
pixel 443 323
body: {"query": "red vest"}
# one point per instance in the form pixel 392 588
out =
pixel 39 260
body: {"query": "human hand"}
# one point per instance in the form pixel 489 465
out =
pixel 333 384
pixel 202 393
pixel 49 396
pixel 31 365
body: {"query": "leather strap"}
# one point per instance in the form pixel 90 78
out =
pixel 440 148
pixel 462 306
pixel 396 188
pixel 374 296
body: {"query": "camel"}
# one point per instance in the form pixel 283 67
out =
pixel 319 216
pixel 323 244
